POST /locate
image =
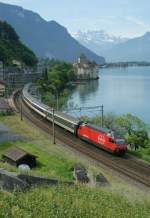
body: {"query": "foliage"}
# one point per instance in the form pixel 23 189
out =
pixel 109 120
pixel 57 77
pixel 49 63
pixel 7 32
pixel 11 47
pixel 138 139
pixel 134 129
pixel 54 82
pixel 6 113
pixel 142 152
pixel 131 123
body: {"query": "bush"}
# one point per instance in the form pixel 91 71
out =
pixel 6 113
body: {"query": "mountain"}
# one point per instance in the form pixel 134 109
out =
pixel 136 49
pixel 46 39
pixel 98 41
pixel 116 49
pixel 11 48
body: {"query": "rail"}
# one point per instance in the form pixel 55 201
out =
pixel 129 167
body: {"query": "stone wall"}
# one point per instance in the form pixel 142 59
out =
pixel 10 181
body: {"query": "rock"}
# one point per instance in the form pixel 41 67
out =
pixel 101 180
pixel 24 167
pixel 80 173
pixel 9 181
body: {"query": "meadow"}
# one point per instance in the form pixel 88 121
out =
pixel 119 199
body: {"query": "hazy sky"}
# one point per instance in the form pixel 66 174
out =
pixel 119 17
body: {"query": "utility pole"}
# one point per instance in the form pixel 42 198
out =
pixel 21 114
pixel 57 101
pixel 53 123
pixel 102 117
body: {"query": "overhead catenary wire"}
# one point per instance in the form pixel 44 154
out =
pixel 99 108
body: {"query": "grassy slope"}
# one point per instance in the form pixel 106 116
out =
pixel 52 160
pixel 77 201
pixel 74 202
pixel 142 153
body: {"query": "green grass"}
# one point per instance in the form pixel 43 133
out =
pixel 48 162
pixel 116 201
pixel 52 160
pixel 142 153
pixel 67 202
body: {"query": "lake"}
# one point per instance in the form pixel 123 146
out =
pixel 120 90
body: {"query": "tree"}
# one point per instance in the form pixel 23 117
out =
pixel 134 129
pixel 55 80
pixel 138 139
pixel 11 47
pixel 110 120
pixel 131 123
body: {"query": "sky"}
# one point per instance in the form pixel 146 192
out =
pixel 128 18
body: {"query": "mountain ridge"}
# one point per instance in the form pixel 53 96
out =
pixel 135 49
pixel 117 49
pixel 45 38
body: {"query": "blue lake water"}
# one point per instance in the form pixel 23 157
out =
pixel 120 90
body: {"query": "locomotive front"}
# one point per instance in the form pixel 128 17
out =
pixel 121 146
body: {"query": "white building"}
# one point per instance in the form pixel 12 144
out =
pixel 85 69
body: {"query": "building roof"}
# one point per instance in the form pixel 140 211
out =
pixel 16 154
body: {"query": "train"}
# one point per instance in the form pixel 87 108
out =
pixel 101 137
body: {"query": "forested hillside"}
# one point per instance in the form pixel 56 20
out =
pixel 12 49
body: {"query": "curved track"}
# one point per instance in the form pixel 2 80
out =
pixel 128 166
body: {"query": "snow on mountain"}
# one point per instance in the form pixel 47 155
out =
pixel 98 40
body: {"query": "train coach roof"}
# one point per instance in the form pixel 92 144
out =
pixel 68 117
pixel 105 130
pixel 57 113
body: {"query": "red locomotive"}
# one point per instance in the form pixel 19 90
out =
pixel 103 138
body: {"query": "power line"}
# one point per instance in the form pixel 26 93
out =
pixel 85 108
pixel 99 108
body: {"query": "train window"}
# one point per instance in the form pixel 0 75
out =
pixel 120 141
pixel 111 140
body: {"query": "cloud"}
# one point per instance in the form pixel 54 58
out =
pixel 138 22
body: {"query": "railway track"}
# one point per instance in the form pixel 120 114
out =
pixel 130 167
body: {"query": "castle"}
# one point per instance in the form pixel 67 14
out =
pixel 85 69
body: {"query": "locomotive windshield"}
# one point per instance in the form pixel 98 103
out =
pixel 120 141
